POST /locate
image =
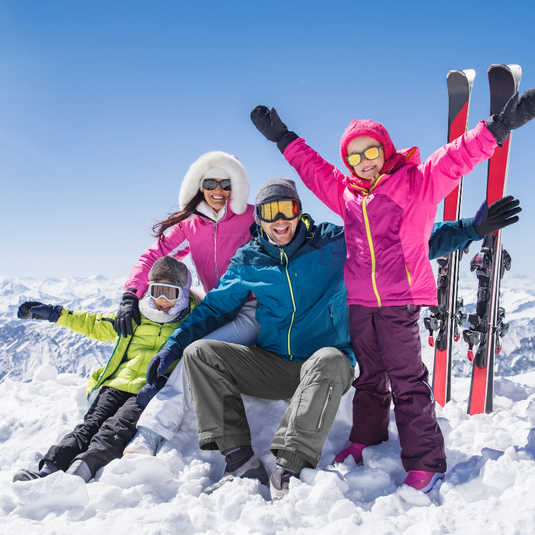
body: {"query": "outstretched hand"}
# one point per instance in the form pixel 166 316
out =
pixel 269 124
pixel 518 111
pixel 498 215
pixel 35 310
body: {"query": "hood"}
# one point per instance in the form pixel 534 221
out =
pixel 221 160
pixel 393 159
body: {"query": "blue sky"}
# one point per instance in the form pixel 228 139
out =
pixel 105 104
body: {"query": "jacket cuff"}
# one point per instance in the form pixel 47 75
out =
pixel 468 227
pixel 285 140
pixel 63 317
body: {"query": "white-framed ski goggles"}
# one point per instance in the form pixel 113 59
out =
pixel 170 292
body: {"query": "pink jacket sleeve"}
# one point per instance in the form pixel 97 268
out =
pixel 175 242
pixel 319 176
pixel 445 167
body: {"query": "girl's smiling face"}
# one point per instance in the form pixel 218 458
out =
pixel 366 169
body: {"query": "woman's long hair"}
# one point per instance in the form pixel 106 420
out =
pixel 160 227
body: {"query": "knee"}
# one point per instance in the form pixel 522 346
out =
pixel 329 360
pixel 201 349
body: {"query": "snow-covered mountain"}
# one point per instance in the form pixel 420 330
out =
pixel 25 345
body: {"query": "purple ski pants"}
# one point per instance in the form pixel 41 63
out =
pixel 387 346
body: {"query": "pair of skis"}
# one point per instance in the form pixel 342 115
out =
pixel 486 326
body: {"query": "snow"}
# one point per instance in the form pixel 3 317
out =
pixel 489 486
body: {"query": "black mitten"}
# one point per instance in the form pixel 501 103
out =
pixel 35 310
pixel 271 127
pixel 518 111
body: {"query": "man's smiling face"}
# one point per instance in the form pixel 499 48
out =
pixel 282 231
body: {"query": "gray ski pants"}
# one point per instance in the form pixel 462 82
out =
pixel 220 372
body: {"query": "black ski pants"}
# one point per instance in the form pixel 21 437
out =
pixel 108 426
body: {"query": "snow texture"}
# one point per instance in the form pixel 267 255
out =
pixel 489 486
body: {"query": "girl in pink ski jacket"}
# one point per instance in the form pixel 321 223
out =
pixel 388 204
pixel 211 226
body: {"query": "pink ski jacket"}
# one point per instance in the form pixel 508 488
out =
pixel 388 226
pixel 211 245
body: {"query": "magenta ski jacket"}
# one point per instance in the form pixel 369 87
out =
pixel 211 245
pixel 388 226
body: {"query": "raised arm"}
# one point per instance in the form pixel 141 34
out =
pixel 444 168
pixel 318 175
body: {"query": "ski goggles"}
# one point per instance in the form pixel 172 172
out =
pixel 212 183
pixel 271 211
pixel 371 153
pixel 170 292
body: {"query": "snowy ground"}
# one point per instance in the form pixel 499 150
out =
pixel 490 485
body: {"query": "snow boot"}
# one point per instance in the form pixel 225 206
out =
pixel 47 468
pixel 241 462
pixel 80 468
pixel 145 442
pixel 422 480
pixel 355 450
pixel 279 482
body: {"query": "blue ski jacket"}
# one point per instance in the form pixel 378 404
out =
pixel 300 290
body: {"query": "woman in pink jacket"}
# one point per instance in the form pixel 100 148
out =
pixel 388 204
pixel 211 226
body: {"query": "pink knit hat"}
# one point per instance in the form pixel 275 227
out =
pixel 367 128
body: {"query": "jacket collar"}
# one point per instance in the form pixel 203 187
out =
pixel 205 211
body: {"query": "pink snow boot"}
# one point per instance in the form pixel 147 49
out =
pixel 421 480
pixel 355 449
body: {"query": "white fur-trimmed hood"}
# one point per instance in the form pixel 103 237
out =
pixel 236 171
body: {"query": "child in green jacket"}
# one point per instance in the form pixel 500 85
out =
pixel 110 422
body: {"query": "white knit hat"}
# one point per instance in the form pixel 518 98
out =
pixel 214 172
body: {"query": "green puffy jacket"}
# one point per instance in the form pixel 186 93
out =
pixel 127 368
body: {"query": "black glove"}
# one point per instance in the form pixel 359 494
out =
pixel 271 127
pixel 149 391
pixel 35 310
pixel 128 311
pixel 498 215
pixel 159 364
pixel 518 111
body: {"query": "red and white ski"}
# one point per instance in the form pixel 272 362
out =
pixel 487 326
pixel 447 317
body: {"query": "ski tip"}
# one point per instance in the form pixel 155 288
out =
pixel 467 74
pixel 515 69
pixel 470 75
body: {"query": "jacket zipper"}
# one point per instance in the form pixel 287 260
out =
pixel 283 254
pixel 215 250
pixel 324 410
pixel 369 234
pixel 370 245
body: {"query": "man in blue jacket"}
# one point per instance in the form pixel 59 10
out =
pixel 295 269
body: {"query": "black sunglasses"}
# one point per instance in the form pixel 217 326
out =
pixel 212 183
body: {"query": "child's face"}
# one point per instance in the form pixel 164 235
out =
pixel 163 304
pixel 366 169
